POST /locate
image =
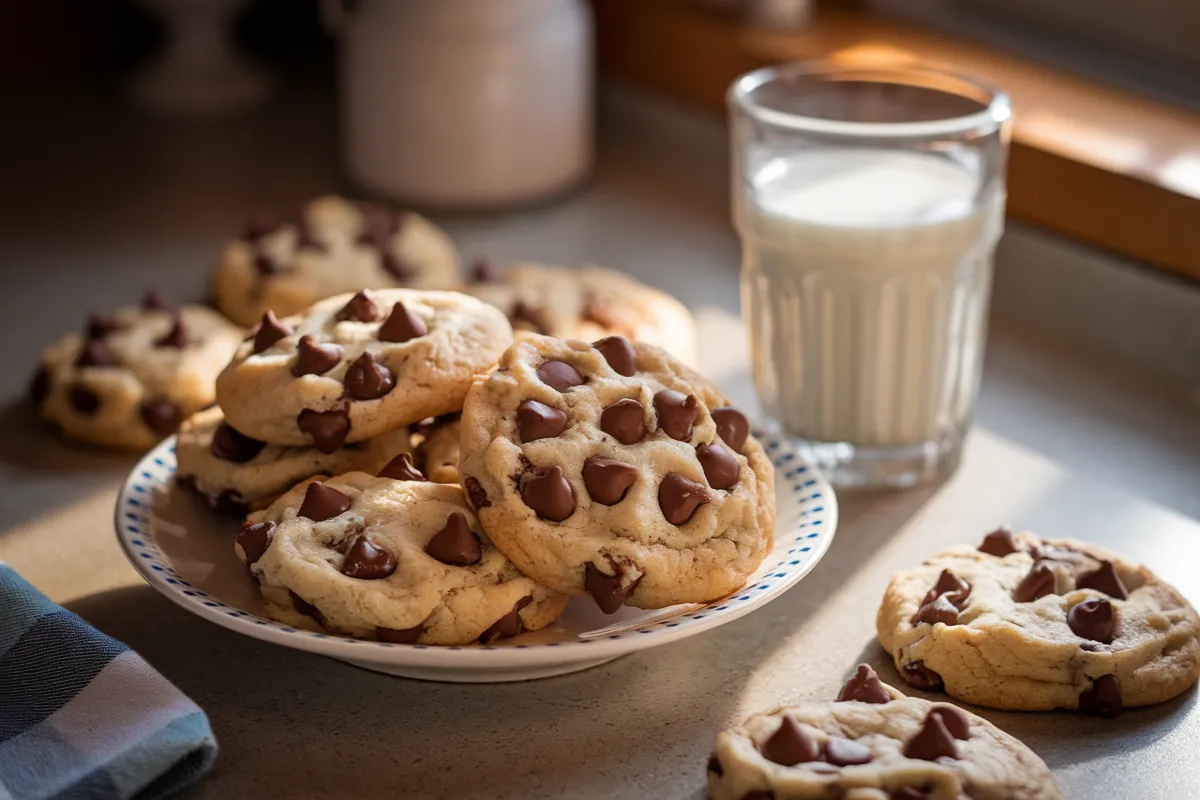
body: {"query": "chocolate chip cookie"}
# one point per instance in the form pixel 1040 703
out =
pixel 587 303
pixel 874 744
pixel 235 473
pixel 389 558
pixel 614 470
pixel 354 367
pixel 333 246
pixel 437 449
pixel 128 380
pixel 1037 624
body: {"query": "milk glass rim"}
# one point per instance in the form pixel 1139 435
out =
pixel 991 117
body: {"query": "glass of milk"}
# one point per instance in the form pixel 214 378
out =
pixel 868 202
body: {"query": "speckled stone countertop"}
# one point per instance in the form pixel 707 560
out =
pixel 1066 444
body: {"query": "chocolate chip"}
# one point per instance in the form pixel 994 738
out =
pixel 482 271
pixel 161 415
pixel 397 636
pixel 401 326
pixel 360 308
pixel 303 606
pixel 534 318
pixel 759 794
pixel 455 544
pixel 539 421
pixel 679 497
pixel 367 379
pixel 720 468
pixel 401 468
pixel 790 745
pixel 178 337
pixel 609 591
pixel 1038 582
pixel 1000 542
pixel 599 311
pixel 625 421
pixel 508 625
pixel 396 265
pixel 548 493
pixel 932 741
pixel 366 560
pixel 1103 698
pixel 559 375
pixel 846 752
pixel 714 765
pixel 230 503
pixel 266 265
pixel 1093 619
pixel 269 331
pixel 322 502
pixel 940 609
pixel 1106 580
pixel 619 354
pixel 101 325
pixel 731 426
pixel 918 675
pixel 39 387
pixel 864 687
pixel 909 793
pixel 83 400
pixel 95 353
pixel 328 429
pixel 379 226
pixel 232 445
pixel 154 301
pixel 476 494
pixel 950 584
pixel 254 540
pixel 314 358
pixel 956 721
pixel 607 480
pixel 676 413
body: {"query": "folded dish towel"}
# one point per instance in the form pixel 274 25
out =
pixel 82 715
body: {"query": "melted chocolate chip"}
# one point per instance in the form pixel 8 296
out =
pixel 790 745
pixel 1038 582
pixel 607 480
pixel 269 331
pixel 539 421
pixel 956 721
pixel 83 400
pixel 304 607
pixel 366 560
pixel 1000 542
pixel 625 421
pixel 950 584
pixel 1104 579
pixel 482 271
pixel 932 741
pixel 397 636
pixel 95 353
pixel 476 493
pixel 360 308
pixel 530 318
pixel 864 687
pixel 230 503
pixel 676 413
pixel 327 428
pixel 401 468
pixel 178 337
pixel 39 387
pixel 619 354
pixel 548 493
pixel 508 625
pixel 323 502
pixel 732 426
pixel 609 591
pixel 940 609
pixel 679 497
pixel 367 379
pixel 1103 698
pixel 101 325
pixel 714 765
pixel 160 415
pixel 455 544
pixel 559 375
pixel 720 468
pixel 314 358
pixel 918 675
pixel 229 444
pixel 254 540
pixel 843 752
pixel 1093 619
pixel 401 325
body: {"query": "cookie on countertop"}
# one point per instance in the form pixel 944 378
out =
pixel 335 246
pixel 1035 624
pixel 354 367
pixel 235 473
pixel 587 303
pixel 130 378
pixel 437 451
pixel 397 560
pixel 874 743
pixel 614 470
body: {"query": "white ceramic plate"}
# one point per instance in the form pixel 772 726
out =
pixel 185 551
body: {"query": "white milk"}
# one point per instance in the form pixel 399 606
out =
pixel 865 282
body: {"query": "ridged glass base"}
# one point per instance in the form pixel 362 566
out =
pixel 847 465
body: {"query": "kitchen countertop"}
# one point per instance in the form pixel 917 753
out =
pixel 1067 443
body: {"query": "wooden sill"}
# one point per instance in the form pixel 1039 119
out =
pixel 1112 168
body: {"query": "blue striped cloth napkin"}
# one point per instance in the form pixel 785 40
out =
pixel 82 715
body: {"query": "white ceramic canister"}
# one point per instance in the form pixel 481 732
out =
pixel 465 103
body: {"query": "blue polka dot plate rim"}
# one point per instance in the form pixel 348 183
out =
pixel 185 551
